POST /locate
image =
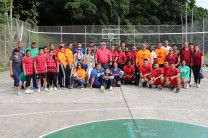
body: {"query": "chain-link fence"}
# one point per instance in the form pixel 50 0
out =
pixel 131 34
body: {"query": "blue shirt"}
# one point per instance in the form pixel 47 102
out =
pixel 104 80
pixel 82 50
pixel 85 67
pixel 95 73
pixel 21 53
pixel 117 71
pixel 16 62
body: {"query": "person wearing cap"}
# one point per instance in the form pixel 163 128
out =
pixel 79 46
pixel 103 56
pixel 15 70
pixel 33 53
pixel 172 58
pixel 154 56
pixel 143 54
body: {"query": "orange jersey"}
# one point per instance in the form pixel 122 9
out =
pixel 61 57
pixel 161 54
pixel 80 73
pixel 68 53
pixel 141 55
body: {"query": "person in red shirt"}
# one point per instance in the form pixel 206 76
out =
pixel 28 68
pixel 173 78
pixel 46 51
pixel 129 73
pixel 128 54
pixel 145 72
pixel 103 56
pixel 172 58
pixel 40 69
pixel 198 62
pixel 157 76
pixel 121 58
pixel 114 55
pixel 53 68
pixel 186 54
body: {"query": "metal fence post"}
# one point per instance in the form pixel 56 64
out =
pixel 61 33
pixel 5 46
pixel 203 35
pixel 134 35
pixel 85 36
pixel 158 29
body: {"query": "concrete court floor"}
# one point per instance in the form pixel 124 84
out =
pixel 35 114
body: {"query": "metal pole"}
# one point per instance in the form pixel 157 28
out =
pixel 192 24
pixel 61 34
pixel 5 47
pixel 158 29
pixel 182 29
pixel 203 36
pixel 186 19
pixel 119 23
pixel 134 35
pixel 85 36
pixel 11 5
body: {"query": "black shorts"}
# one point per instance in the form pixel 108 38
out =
pixel 41 75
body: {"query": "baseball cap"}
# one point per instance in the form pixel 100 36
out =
pixel 134 47
pixel 103 43
pixel 61 42
pixel 33 42
pixel 170 49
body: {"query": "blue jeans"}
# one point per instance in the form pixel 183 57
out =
pixel 96 84
pixel 34 81
pixel 16 74
pixel 73 80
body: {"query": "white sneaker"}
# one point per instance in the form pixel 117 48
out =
pixel 194 85
pixel 30 90
pixel 55 89
pixel 111 88
pixel 27 91
pixel 102 89
pixel 51 89
pixel 38 90
pixel 186 86
pixel 46 89
pixel 18 93
pixel 198 85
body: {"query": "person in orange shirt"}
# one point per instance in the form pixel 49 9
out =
pixel 161 54
pixel 62 68
pixel 143 54
pixel 78 76
pixel 70 60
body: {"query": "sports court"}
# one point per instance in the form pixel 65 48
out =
pixel 37 114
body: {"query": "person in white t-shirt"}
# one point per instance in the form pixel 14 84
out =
pixel 166 46
pixel 154 55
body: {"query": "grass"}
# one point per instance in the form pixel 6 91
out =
pixel 4 69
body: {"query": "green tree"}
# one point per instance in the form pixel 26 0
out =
pixel 4 8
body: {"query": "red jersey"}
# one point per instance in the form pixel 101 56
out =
pixel 29 65
pixel 171 58
pixel 145 70
pixel 121 57
pixel 129 70
pixel 197 58
pixel 51 64
pixel 128 56
pixel 133 57
pixel 172 73
pixel 114 54
pixel 40 63
pixel 165 70
pixel 186 55
pixel 156 73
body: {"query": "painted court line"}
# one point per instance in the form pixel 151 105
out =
pixel 118 119
pixel 103 109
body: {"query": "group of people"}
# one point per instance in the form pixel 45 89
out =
pixel 104 68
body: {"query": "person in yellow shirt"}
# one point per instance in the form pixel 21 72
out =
pixel 70 60
pixel 63 68
pixel 161 54
pixel 78 76
pixel 143 54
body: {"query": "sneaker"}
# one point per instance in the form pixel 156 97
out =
pixel 46 89
pixel 194 85
pixel 177 90
pixel 111 88
pixel 30 90
pixel 71 87
pixel 18 93
pixel 102 89
pixel 22 87
pixel 172 88
pixel 144 84
pixel 82 86
pixel 160 88
pixel 51 89
pixel 38 90
pixel 150 86
pixel 186 86
pixel 197 85
pixel 27 91
pixel 55 89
